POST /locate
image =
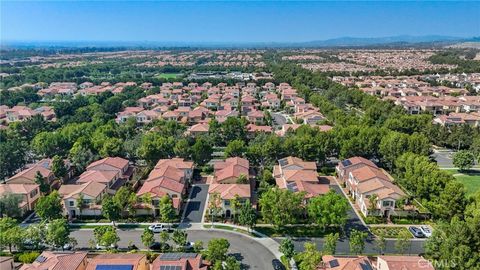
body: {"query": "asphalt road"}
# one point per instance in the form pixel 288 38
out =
pixel 444 158
pixel 252 254
pixel 196 204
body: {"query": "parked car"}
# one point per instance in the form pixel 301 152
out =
pixel 416 232
pixel 189 245
pixel 132 247
pixel 100 247
pixel 157 228
pixel 29 245
pixel 426 231
pixel 157 246
pixel 277 265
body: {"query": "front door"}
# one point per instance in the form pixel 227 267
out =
pixel 73 214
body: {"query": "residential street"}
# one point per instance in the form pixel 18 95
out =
pixel 251 253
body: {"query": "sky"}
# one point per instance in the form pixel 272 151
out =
pixel 233 21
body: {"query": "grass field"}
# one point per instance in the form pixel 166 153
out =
pixel 168 75
pixel 470 179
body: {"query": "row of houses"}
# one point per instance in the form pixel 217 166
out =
pixel 194 261
pixel 83 261
pixel 20 113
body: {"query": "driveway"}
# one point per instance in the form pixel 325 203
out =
pixel 196 204
pixel 279 119
pixel 353 221
pixel 444 158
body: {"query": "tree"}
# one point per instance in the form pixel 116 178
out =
pixel 235 148
pixel 380 243
pixel 287 248
pixel 281 206
pixel 10 233
pixel 330 245
pixel 214 205
pixel 310 258
pixel 201 151
pixel 182 149
pixel 35 233
pixel 49 143
pixel 198 246
pixel 125 199
pixel 164 236
pixel 49 207
pixel 40 180
pixel 217 249
pixel 57 233
pixel 9 205
pixel 179 237
pixel 372 199
pixel 357 241
pixel 403 241
pixel 242 179
pixel 232 264
pixel 106 236
pixel 110 209
pixel 329 209
pixel 58 167
pixel 464 160
pixel 80 203
pixel 148 238
pixel 13 153
pixel 154 147
pixel 167 212
pixel 80 156
pixel 248 215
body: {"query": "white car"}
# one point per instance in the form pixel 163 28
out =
pixel 101 247
pixel 156 228
pixel 426 230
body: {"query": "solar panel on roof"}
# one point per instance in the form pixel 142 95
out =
pixel 292 187
pixel 346 163
pixel 170 267
pixel 333 263
pixel 114 267
pixel 41 259
pixel 176 256
pixel 282 162
pixel 366 266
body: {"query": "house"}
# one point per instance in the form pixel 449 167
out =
pixel 28 192
pixel 91 194
pixel 403 262
pixel 229 192
pixel 58 261
pixel 27 176
pixel 198 129
pixel 179 261
pixel 287 128
pixel 330 262
pixel 112 164
pixel 364 179
pixel 228 171
pixel 168 178
pixel 128 261
pixel 255 117
pixel 296 175
pixel 253 129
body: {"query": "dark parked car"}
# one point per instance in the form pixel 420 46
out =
pixel 277 265
pixel 416 232
pixel 157 246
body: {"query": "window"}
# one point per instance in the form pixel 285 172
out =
pixel 387 203
pixel 33 193
pixel 227 202
pixel 71 203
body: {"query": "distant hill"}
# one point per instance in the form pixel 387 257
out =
pixel 342 42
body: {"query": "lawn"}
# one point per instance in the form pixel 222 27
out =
pixel 389 232
pixel 168 75
pixel 229 228
pixel 470 179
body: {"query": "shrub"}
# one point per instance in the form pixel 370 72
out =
pixel 28 257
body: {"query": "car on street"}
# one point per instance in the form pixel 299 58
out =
pixel 157 228
pixel 417 232
pixel 277 265
pixel 101 247
pixel 189 246
pixel 426 231
pixel 157 246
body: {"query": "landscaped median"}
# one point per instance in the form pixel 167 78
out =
pixel 230 228
pixel 390 231
pixel 300 230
